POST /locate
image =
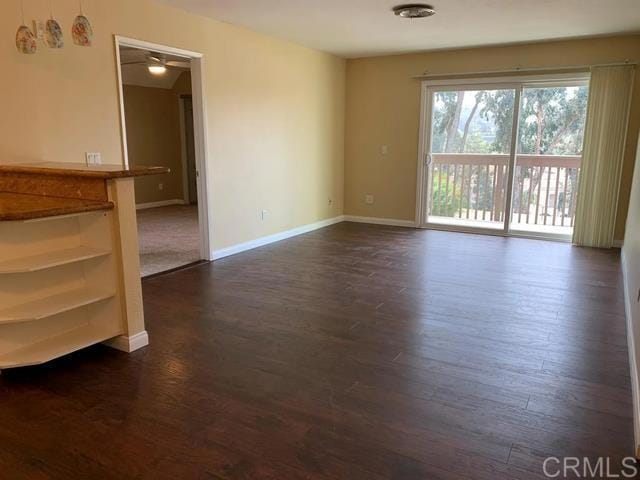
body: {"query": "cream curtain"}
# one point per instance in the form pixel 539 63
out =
pixel 604 141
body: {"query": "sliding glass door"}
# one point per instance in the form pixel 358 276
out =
pixel 547 169
pixel 503 157
pixel 470 145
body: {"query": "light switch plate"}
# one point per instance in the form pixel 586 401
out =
pixel 93 158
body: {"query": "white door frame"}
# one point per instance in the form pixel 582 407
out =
pixel 199 128
pixel 517 82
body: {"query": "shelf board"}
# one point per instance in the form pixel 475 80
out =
pixel 56 258
pixel 57 346
pixel 50 306
pixel 24 206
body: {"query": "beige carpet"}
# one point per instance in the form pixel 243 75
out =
pixel 168 238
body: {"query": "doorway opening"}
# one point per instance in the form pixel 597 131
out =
pixel 502 155
pixel 162 124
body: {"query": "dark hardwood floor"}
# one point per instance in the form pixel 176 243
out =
pixel 353 352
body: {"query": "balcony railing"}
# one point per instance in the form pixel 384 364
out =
pixel 470 186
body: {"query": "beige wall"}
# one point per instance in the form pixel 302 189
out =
pixel 153 138
pixel 183 84
pixel 631 258
pixel 152 116
pixel 275 110
pixel 383 108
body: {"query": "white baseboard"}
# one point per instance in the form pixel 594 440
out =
pixel 380 221
pixel 129 344
pixel 633 355
pixel 276 237
pixel 161 203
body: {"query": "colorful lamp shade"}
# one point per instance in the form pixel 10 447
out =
pixel 53 34
pixel 26 40
pixel 82 32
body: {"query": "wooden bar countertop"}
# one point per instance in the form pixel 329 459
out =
pixel 49 189
pixel 81 170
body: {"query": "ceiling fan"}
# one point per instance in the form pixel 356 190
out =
pixel 157 63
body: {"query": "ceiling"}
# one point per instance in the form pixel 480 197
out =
pixel 357 28
pixel 138 73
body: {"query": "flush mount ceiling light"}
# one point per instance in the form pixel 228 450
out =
pixel 414 10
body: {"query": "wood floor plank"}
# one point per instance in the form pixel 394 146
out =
pixel 352 352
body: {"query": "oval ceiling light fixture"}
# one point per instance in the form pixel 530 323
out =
pixel 414 10
pixel 157 65
pixel 157 69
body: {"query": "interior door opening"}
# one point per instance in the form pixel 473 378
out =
pixel 158 112
pixel 503 157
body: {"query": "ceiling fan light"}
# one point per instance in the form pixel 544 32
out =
pixel 157 69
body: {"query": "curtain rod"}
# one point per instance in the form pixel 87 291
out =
pixel 570 68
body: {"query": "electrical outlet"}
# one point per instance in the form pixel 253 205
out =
pixel 368 199
pixel 384 149
pixel 161 186
pixel 264 214
pixel 330 201
pixel 93 158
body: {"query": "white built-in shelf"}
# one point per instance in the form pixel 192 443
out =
pixel 49 306
pixel 56 258
pixel 56 346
